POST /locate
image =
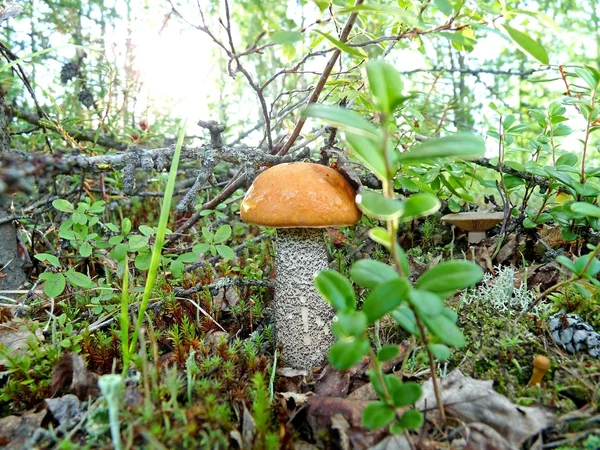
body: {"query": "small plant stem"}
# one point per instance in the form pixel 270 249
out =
pixel 587 138
pixel 537 216
pixel 124 319
pixel 392 226
pixel 379 373
pixel 434 381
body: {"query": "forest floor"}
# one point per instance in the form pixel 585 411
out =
pixel 207 374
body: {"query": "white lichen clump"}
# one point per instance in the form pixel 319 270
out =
pixel 500 294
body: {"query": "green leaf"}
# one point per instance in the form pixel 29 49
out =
pixel 79 279
pixel 126 226
pixel 79 218
pixel 142 260
pixel 177 268
pixel 114 240
pixel 459 145
pixel 146 230
pixel 563 260
pixel 406 319
pixel 405 394
pixel 63 205
pixel 586 76
pixel 587 209
pixel 369 151
pixel 385 297
pixel 53 260
pixel 85 249
pixel 336 289
pixel 348 352
pixel 425 302
pixel 568 159
pixel 592 269
pixel 54 283
pixel 377 415
pixel 341 46
pixel 222 234
pixel 439 351
pixel 344 119
pixel 445 329
pixel 200 248
pixel 403 260
pixel 375 204
pixel 370 273
pixel 349 324
pixel 381 236
pixel 286 37
pixel 225 251
pixel 450 276
pixel 386 85
pixel 528 44
pixel 322 4
pixel 582 290
pixel 137 242
pixel 188 258
pixel 118 252
pixel 444 6
pixel 388 352
pixel 411 419
pixel 419 205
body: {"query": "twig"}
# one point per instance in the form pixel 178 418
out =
pixel 223 283
pixel 322 80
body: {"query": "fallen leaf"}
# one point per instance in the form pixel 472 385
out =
pixel 248 429
pixel 473 400
pixel 332 383
pixel 393 442
pixel 70 372
pixel 507 250
pixel 480 436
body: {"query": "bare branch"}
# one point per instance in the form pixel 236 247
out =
pixel 321 83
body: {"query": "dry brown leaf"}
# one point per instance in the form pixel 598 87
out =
pixel 507 250
pixel 480 436
pixel 473 400
pixel 70 372
pixel 248 429
pixel 332 383
pixel 393 442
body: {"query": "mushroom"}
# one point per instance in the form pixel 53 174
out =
pixel 474 223
pixel 541 364
pixel 299 199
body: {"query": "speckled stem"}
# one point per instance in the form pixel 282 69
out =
pixel 302 317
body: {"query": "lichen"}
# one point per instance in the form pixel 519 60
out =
pixel 500 294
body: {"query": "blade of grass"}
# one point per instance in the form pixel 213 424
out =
pixel 160 238
pixel 125 318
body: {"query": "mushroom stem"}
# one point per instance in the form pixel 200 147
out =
pixel 302 317
pixel 475 236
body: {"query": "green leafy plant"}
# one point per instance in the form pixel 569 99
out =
pixel 418 308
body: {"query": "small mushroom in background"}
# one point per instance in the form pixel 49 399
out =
pixel 299 199
pixel 474 223
pixel 541 364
